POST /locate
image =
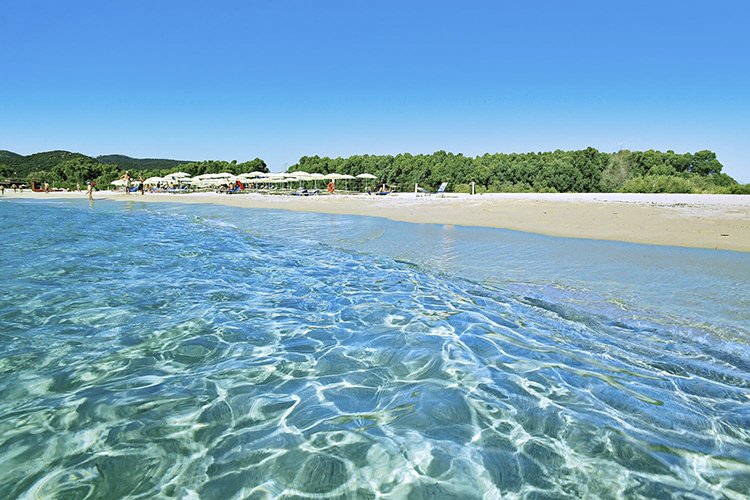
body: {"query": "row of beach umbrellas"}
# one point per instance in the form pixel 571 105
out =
pixel 251 177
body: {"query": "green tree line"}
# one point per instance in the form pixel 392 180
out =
pixel 63 169
pixel 586 171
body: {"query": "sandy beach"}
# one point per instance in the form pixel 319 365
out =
pixel 700 221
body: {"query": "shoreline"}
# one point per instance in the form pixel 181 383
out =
pixel 687 220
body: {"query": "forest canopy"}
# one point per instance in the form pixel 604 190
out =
pixel 582 171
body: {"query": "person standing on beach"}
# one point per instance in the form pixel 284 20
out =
pixel 126 178
pixel 46 187
pixel 90 190
pixel 141 187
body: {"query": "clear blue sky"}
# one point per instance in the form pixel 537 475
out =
pixel 280 79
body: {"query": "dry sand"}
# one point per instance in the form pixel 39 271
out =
pixel 702 221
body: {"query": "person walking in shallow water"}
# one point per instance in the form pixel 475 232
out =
pixel 90 190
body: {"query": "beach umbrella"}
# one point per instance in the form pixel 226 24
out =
pixel 253 174
pixel 317 176
pixel 153 180
pixel 346 178
pixel 179 175
pixel 333 176
pixel 118 182
pixel 366 176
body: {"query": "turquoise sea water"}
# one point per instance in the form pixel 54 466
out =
pixel 201 351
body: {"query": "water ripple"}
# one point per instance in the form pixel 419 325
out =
pixel 153 353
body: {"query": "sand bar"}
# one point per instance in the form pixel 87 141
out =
pixel 700 221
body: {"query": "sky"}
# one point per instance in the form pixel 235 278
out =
pixel 281 79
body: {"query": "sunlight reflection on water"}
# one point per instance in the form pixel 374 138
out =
pixel 177 350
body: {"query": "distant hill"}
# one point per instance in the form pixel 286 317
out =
pixel 8 155
pixel 139 163
pixel 67 169
pixel 20 166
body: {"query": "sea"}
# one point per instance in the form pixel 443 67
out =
pixel 200 351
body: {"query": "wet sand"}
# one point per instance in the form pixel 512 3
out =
pixel 700 221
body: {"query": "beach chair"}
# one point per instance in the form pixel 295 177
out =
pixel 439 191
pixel 306 192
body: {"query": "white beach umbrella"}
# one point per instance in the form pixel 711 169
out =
pixel 153 180
pixel 315 177
pixel 179 175
pixel 334 176
pixel 366 176
pixel 118 182
pixel 346 178
pixel 253 174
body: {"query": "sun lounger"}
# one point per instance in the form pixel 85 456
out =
pixel 440 190
pixel 305 192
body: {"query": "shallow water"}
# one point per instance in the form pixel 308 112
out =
pixel 174 350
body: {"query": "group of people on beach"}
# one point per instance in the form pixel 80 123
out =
pixel 15 187
pixel 129 180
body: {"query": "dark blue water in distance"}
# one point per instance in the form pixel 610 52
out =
pixel 198 351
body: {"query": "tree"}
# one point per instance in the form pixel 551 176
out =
pixel 616 172
pixel 705 163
